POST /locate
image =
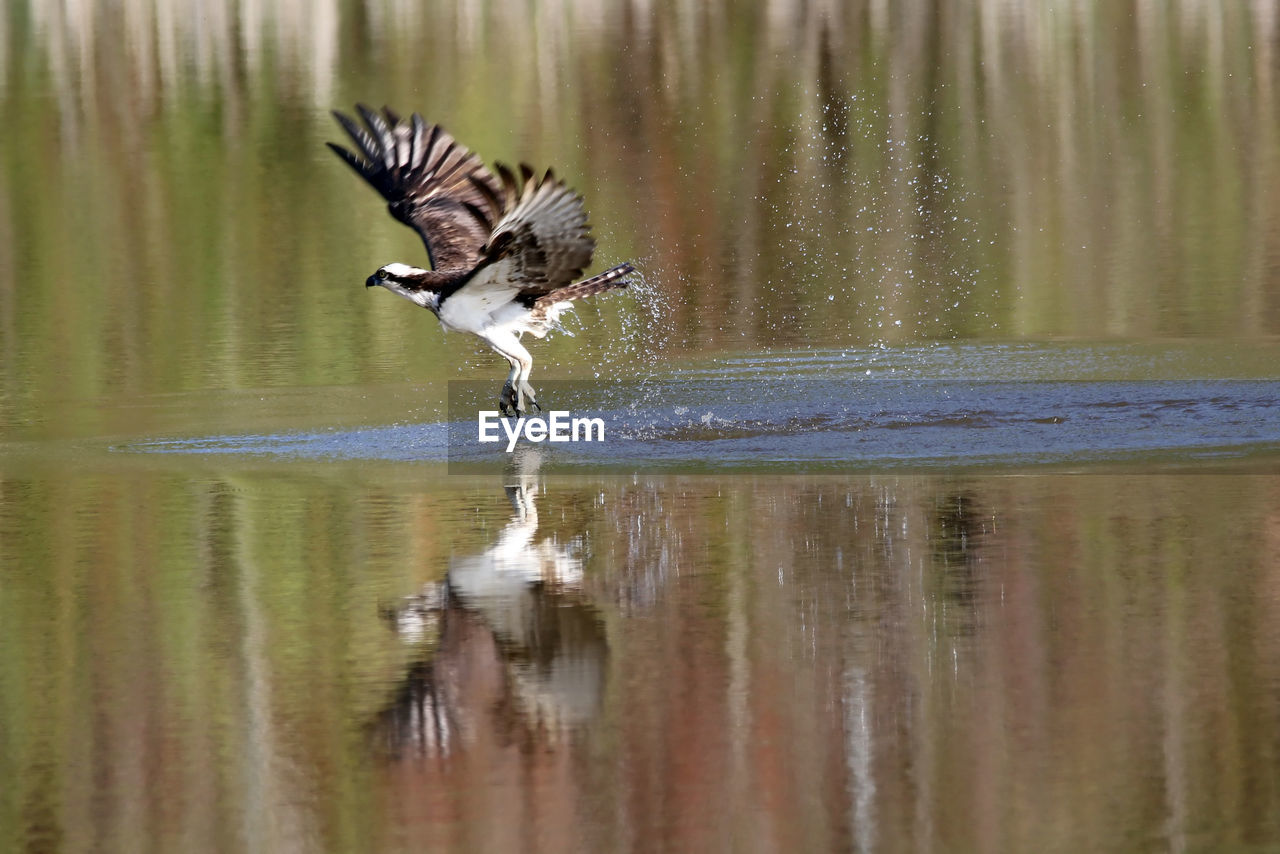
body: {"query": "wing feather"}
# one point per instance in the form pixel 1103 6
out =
pixel 382 133
pixel 491 196
pixel 431 183
pixel 368 147
pixel 543 241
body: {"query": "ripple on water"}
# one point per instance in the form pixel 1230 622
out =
pixel 930 408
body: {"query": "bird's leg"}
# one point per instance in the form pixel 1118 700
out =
pixel 526 390
pixel 516 390
pixel 508 402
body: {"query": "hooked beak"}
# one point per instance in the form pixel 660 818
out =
pixel 370 282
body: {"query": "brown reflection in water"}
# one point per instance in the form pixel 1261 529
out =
pixel 517 661
pixel 985 664
pixel 509 635
pixel 753 663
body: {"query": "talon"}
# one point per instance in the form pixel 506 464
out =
pixel 526 392
pixel 507 404
pixel 517 399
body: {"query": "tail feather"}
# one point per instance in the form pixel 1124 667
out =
pixel 608 280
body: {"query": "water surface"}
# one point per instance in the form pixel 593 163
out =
pixel 940 507
pixel 879 409
pixel 338 655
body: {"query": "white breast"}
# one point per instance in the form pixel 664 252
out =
pixel 483 302
pixel 470 311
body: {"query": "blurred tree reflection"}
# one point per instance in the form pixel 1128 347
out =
pixel 788 173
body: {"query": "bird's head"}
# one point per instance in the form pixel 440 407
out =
pixel 391 276
pixel 412 283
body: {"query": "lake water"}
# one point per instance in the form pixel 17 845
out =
pixel 939 503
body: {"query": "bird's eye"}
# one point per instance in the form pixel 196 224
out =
pixel 382 274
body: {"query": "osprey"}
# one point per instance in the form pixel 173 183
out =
pixel 505 251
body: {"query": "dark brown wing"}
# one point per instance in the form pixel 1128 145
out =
pixel 431 183
pixel 543 241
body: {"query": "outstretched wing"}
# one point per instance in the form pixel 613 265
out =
pixel 542 242
pixel 431 183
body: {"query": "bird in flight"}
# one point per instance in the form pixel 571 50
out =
pixel 505 250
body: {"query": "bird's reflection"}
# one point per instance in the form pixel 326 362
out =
pixel 518 654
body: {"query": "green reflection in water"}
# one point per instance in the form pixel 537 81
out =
pixel 812 175
pixel 216 655
pixel 383 659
